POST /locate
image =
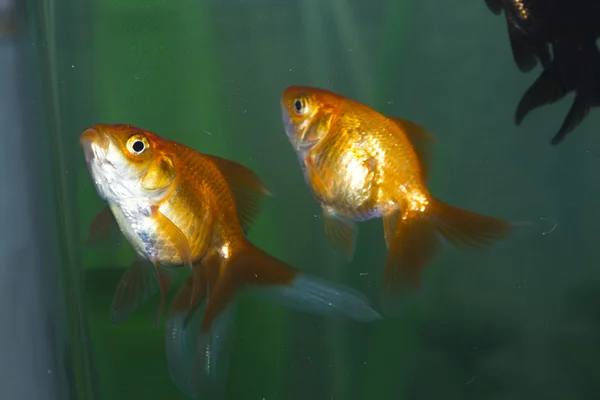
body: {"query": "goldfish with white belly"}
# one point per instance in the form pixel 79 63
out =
pixel 178 207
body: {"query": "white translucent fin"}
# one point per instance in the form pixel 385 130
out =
pixel 137 285
pixel 340 233
pixel 180 353
pixel 199 362
pixel 319 296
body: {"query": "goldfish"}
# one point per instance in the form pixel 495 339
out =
pixel 362 165
pixel 570 28
pixel 181 208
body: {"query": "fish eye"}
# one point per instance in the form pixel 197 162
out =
pixel 137 144
pixel 300 106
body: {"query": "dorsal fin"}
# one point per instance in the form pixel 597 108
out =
pixel 421 141
pixel 246 186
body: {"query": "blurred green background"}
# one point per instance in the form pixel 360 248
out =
pixel 519 321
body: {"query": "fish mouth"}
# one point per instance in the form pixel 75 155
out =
pixel 93 142
pixel 285 115
pixel 96 145
pixel 295 133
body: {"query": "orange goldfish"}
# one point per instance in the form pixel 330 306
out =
pixel 362 165
pixel 178 207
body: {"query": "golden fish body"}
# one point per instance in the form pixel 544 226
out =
pixel 180 207
pixel 361 165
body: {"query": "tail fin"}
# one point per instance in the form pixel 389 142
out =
pixel 274 280
pixel 263 275
pixel 416 241
pixel 198 362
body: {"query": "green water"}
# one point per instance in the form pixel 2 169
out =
pixel 518 321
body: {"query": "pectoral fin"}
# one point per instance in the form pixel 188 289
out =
pixel 103 224
pixel 316 181
pixel 176 237
pixel 340 233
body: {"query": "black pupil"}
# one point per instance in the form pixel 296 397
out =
pixel 138 146
pixel 298 105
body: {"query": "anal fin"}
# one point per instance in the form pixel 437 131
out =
pixel 198 291
pixel 137 285
pixel 389 226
